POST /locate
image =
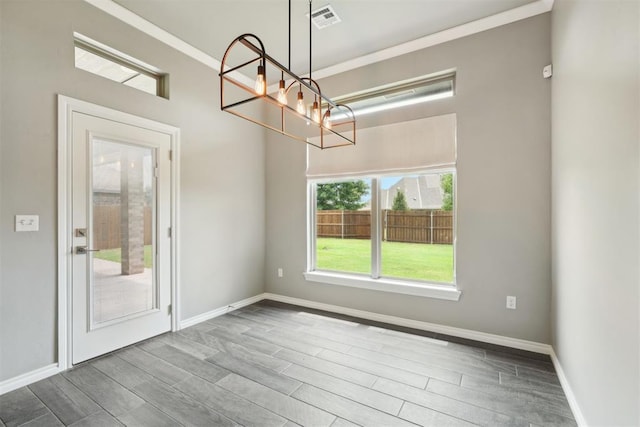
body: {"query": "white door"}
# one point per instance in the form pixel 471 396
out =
pixel 121 217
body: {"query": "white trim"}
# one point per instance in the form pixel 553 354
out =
pixel 28 378
pixel 445 292
pixel 523 12
pixel 136 21
pixel 373 280
pixel 66 106
pixel 417 324
pixel 175 231
pixel 220 311
pixel 64 225
pixel 125 15
pixel 311 222
pixel 47 371
pixel 115 53
pixel 376 235
pixel 568 391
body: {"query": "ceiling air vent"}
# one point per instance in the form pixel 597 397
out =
pixel 324 17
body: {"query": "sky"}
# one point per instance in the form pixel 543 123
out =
pixel 389 181
pixel 386 183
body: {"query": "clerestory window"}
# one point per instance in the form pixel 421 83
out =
pixel 102 60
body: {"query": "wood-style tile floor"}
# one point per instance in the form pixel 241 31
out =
pixel 279 365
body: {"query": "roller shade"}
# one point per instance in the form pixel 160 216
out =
pixel 428 143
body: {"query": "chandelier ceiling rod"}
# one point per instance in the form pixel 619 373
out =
pixel 310 32
pixel 289 35
pixel 310 123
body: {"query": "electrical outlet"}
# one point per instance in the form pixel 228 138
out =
pixel 511 302
pixel 280 272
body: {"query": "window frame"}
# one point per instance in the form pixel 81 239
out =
pixel 375 280
pixel 112 55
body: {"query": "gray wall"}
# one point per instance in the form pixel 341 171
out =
pixel 504 191
pixel 222 179
pixel 595 219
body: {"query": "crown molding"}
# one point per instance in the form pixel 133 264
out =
pixel 125 15
pixel 523 12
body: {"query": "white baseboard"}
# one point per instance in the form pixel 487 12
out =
pixel 220 311
pixel 28 378
pixel 449 330
pixel 564 382
pixel 47 371
pixel 393 320
pixel 50 370
pixel 417 324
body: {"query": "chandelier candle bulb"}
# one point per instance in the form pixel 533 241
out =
pixel 282 93
pixel 261 85
pixel 300 106
pixel 327 120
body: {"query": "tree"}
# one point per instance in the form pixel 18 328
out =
pixel 341 195
pixel 446 183
pixel 400 202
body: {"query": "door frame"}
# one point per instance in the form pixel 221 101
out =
pixel 66 107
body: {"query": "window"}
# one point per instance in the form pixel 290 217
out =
pixel 343 226
pixel 401 94
pixel 107 62
pixel 382 213
pixel 396 227
pixel 417 220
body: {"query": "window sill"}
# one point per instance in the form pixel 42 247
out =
pixel 444 292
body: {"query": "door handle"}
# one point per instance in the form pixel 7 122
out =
pixel 80 250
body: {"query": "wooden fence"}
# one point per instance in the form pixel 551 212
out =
pixel 419 226
pixel 344 224
pixel 106 226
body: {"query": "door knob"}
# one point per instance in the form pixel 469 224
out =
pixel 83 250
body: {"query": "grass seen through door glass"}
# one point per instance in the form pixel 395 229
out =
pixel 115 255
pixel 417 261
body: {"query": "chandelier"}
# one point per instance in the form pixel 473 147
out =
pixel 297 109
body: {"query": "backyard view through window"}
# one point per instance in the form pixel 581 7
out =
pixel 344 226
pixel 416 226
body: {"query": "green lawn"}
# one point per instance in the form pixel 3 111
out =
pixel 116 256
pixel 404 260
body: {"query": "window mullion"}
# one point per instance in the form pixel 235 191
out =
pixel 375 228
pixel 312 227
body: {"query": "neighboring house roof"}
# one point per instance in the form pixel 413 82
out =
pixel 421 192
pixel 106 178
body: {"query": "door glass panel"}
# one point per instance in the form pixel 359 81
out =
pixel 123 189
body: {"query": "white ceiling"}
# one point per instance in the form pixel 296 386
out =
pixel 367 26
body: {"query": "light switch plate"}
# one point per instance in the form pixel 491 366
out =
pixel 27 222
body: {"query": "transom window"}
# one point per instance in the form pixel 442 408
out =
pixel 102 60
